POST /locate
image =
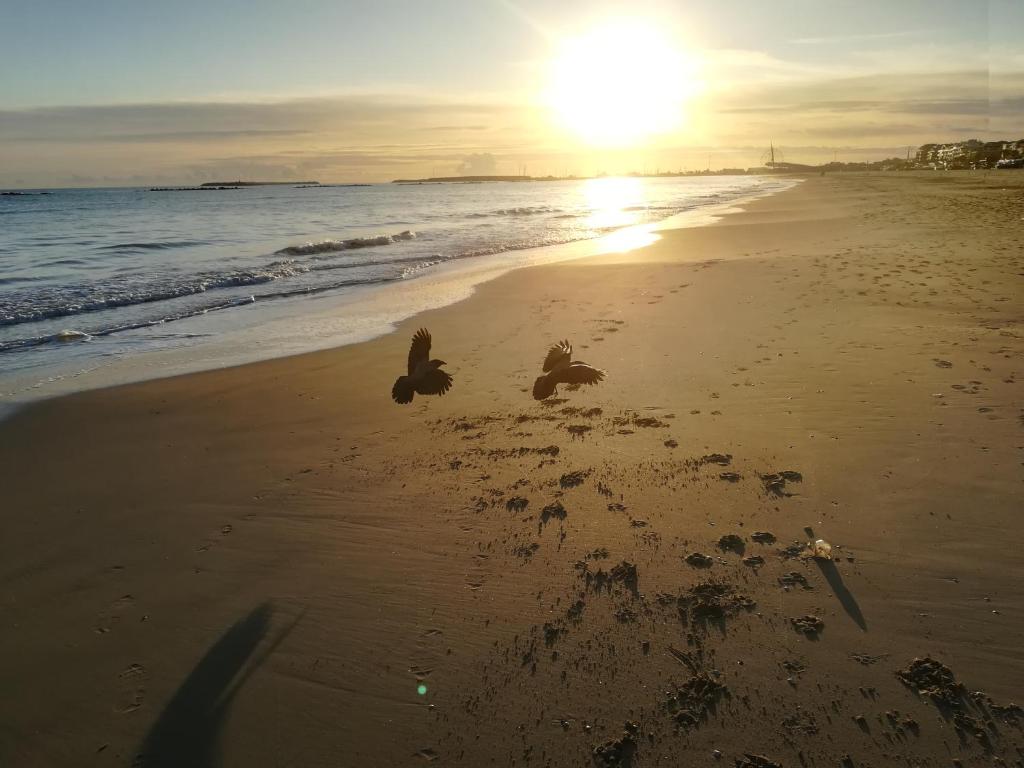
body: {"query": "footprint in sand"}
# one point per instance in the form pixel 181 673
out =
pixel 106 620
pixel 420 673
pixel 131 684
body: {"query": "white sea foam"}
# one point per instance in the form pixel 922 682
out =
pixel 71 335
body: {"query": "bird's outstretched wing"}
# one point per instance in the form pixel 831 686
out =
pixel 435 382
pixel 403 390
pixel 560 353
pixel 419 352
pixel 581 373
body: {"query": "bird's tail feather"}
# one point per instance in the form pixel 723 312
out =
pixel 403 390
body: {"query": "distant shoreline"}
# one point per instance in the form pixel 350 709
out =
pixel 487 179
pixel 259 183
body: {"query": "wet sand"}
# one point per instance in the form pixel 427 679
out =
pixel 275 565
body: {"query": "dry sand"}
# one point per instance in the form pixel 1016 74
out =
pixel 259 566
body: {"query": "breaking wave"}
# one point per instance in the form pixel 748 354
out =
pixel 31 306
pixel 332 246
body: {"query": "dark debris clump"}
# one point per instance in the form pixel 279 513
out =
pixel 756 761
pixel 933 679
pixel 721 459
pixel 625 574
pixel 620 752
pixel 699 560
pixel 692 702
pixel 775 482
pixel 711 600
pixel 573 479
pixel 809 625
pixel 731 543
pixel 794 579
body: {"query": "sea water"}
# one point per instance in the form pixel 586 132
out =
pixel 99 286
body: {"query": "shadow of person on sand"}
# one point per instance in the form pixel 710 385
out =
pixel 187 733
pixel 846 599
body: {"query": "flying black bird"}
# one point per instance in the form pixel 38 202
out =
pixel 425 376
pixel 559 369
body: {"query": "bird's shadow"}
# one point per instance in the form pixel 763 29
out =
pixel 188 731
pixel 846 598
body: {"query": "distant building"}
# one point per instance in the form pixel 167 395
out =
pixel 1013 149
pixel 968 154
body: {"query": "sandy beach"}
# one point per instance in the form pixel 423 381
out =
pixel 275 565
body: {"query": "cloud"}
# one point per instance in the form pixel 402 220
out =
pixel 363 137
pixel 752 98
pixel 862 38
pixel 909 106
pixel 456 128
pixel 480 164
pixel 901 109
pixel 357 116
pixel 192 136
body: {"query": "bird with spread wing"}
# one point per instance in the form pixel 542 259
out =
pixel 559 368
pixel 425 376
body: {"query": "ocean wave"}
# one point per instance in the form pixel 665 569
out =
pixel 66 336
pixel 651 208
pixel 214 306
pixel 43 303
pixel 71 335
pixel 332 266
pixel 524 245
pixel 332 246
pixel 33 306
pixel 71 262
pixel 526 210
pixel 421 264
pixel 160 245
pixel 21 279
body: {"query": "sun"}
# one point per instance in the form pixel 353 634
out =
pixel 620 84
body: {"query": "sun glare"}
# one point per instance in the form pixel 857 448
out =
pixel 615 204
pixel 613 201
pixel 620 84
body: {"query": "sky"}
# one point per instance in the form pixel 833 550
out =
pixel 116 92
